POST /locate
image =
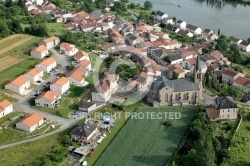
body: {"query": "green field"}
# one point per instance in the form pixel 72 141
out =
pixel 147 141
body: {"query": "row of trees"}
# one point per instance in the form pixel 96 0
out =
pixel 201 146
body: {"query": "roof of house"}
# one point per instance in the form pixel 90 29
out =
pixel 104 85
pixel 96 13
pixel 225 102
pixel 244 43
pixel 48 40
pixel 60 81
pixel 48 61
pixel 174 57
pixel 86 104
pixel 207 31
pixel 35 71
pixel 67 46
pixel 177 85
pixel 172 28
pixel 216 55
pixel 213 113
pixel 179 21
pixel 82 14
pixel 234 39
pixel 242 81
pixel 19 81
pixel 81 54
pixel 4 104
pixel 230 72
pixel 40 48
pixel 84 130
pixel 214 66
pixel 191 27
pixel 183 32
pixel 49 95
pixel 191 61
pixel 84 63
pixel 76 74
pixel 31 119
pixel 160 13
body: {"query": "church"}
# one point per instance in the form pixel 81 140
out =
pixel 165 92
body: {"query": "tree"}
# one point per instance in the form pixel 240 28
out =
pixel 236 92
pixel 218 32
pixel 132 5
pixel 148 5
pixel 175 75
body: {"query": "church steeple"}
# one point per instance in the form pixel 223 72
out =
pixel 197 75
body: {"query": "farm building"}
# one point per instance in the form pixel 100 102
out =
pixel 18 85
pixel 30 122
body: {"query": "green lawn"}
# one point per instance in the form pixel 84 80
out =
pixel 36 153
pixel 147 141
pixel 246 70
pixel 240 147
pixel 56 28
pixel 68 103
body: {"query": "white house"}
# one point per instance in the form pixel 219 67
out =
pixel 47 64
pixel 35 74
pixel 68 49
pixel 245 46
pixel 105 88
pixel 30 122
pixel 85 63
pixel 81 55
pixel 18 85
pixel 61 85
pixel 48 99
pixel 51 42
pixel 39 52
pixel 5 108
pixel 160 15
pixel 181 24
pixel 194 29
pixel 76 77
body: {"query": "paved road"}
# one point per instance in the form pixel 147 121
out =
pixel 208 99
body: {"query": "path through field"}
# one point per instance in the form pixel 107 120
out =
pixel 13 41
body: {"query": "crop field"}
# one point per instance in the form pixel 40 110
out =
pixel 13 41
pixel 147 141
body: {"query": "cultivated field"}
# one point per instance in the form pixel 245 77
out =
pixel 147 141
pixel 13 41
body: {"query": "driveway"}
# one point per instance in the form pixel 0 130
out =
pixel 208 99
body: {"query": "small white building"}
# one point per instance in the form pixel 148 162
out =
pixel 68 49
pixel 194 29
pixel 61 85
pixel 18 85
pixel 35 74
pixel 51 42
pixel 39 52
pixel 245 46
pixel 47 64
pixel 181 24
pixel 5 108
pixel 160 15
pixel 30 122
pixel 48 99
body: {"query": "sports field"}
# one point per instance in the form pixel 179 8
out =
pixel 144 142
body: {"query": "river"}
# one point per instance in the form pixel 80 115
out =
pixel 232 19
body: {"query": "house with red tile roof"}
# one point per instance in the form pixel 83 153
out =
pixel 35 74
pixel 85 64
pixel 76 76
pixel 39 52
pixel 229 75
pixel 81 55
pixel 48 99
pixel 47 64
pixel 243 83
pixel 5 108
pixel 18 85
pixel 105 88
pixel 50 42
pixel 61 85
pixel 224 108
pixel 68 49
pixel 30 123
pixel 115 36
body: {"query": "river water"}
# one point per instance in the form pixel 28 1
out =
pixel 232 19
